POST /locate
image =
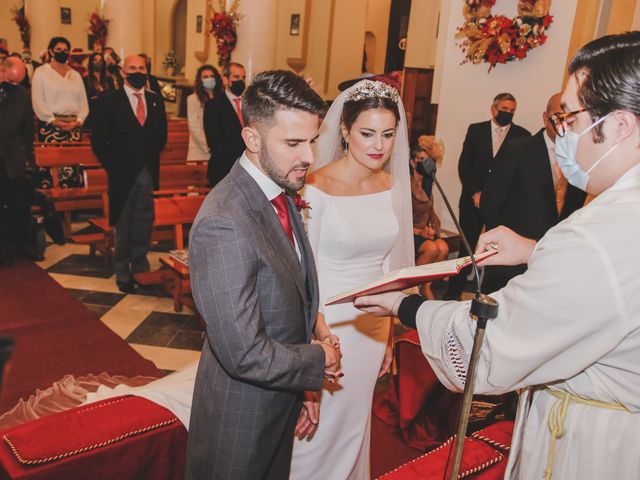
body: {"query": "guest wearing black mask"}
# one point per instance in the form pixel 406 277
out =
pixel 129 132
pixel 223 123
pixel 97 82
pixel 112 61
pixel 481 145
pixel 153 83
pixel 16 159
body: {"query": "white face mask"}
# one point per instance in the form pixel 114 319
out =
pixel 209 83
pixel 566 148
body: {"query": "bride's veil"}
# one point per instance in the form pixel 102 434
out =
pixel 329 149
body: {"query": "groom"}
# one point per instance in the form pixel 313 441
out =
pixel 254 282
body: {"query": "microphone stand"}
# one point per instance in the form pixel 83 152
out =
pixel 483 309
pixel 6 347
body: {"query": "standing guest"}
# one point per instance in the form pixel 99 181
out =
pixel 76 61
pixel 429 246
pixel 16 159
pixel 60 103
pixel 112 59
pixel 567 332
pixel 223 123
pixel 29 63
pixel 96 83
pixel 527 192
pixel 481 145
pixel 153 84
pixel 129 132
pixel 254 283
pixel 25 81
pixel 208 85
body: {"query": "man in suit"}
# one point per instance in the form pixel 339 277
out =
pixel 223 123
pixel 16 159
pixel 254 282
pixel 481 145
pixel 527 192
pixel 129 132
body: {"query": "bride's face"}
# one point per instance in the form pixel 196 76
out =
pixel 371 137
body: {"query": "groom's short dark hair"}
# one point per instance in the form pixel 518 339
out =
pixel 275 90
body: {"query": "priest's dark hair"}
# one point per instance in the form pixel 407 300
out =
pixel 275 90
pixel 611 65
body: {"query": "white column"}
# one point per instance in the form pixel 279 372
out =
pixel 257 36
pixel 125 25
pixel 44 18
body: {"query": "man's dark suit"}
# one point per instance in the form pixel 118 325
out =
pixel 476 162
pixel 130 153
pixel 16 158
pixel 519 194
pixel 259 302
pixel 222 128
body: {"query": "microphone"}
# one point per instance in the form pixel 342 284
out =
pixel 483 308
pixel 427 168
pixel 6 347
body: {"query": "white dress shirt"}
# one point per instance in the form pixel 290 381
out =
pixel 498 134
pixel 198 148
pixel 270 188
pixel 52 94
pixel 551 149
pixel 133 100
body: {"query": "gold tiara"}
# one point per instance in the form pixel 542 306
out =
pixel 370 89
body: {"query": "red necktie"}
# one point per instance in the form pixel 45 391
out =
pixel 238 110
pixel 140 113
pixel 280 202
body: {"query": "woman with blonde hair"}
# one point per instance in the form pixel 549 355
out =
pixel 429 247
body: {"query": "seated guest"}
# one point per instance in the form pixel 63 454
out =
pixel 527 192
pixel 96 82
pixel 429 247
pixel 208 84
pixel 60 103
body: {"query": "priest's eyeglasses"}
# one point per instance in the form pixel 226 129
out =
pixel 561 122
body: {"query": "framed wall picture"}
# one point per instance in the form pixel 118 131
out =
pixel 294 28
pixel 65 15
pixel 199 24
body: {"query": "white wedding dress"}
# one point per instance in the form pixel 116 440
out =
pixel 351 237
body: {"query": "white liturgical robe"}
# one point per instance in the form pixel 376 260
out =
pixel 571 323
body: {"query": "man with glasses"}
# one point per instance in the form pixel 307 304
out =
pixel 481 145
pixel 527 192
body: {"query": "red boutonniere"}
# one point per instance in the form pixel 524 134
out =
pixel 299 202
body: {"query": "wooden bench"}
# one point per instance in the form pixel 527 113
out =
pixel 177 147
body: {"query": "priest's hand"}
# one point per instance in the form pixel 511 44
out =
pixel 381 305
pixel 513 249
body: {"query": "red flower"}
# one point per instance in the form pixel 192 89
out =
pixel 299 202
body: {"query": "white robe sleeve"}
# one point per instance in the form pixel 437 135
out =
pixel 562 315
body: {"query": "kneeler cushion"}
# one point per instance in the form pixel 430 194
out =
pixel 477 457
pixel 124 437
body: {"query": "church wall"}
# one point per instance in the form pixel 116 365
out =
pixel 421 37
pixel 8 29
pixel 465 92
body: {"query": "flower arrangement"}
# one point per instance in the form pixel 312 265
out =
pixel 223 27
pixel 99 29
pixel 21 20
pixel 170 61
pixel 498 39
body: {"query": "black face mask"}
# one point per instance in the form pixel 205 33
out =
pixel 98 65
pixel 137 80
pixel 112 68
pixel 237 87
pixel 504 118
pixel 61 57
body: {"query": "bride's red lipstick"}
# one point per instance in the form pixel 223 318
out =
pixel 376 156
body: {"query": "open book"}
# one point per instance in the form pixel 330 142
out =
pixel 408 277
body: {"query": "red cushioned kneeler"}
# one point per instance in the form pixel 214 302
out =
pixel 485 457
pixel 121 438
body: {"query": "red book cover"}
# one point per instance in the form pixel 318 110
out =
pixel 408 277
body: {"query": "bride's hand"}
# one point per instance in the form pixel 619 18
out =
pixel 309 415
pixel 388 359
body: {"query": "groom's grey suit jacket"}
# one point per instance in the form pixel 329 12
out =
pixel 259 302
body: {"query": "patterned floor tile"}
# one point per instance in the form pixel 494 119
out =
pixel 82 265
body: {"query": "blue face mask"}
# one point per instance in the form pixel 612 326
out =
pixel 209 83
pixel 566 148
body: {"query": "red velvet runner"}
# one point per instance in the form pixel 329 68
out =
pixel 55 335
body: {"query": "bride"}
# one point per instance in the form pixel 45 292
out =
pixel 360 226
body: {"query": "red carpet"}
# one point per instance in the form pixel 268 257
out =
pixel 55 335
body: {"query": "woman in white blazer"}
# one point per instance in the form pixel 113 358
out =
pixel 208 85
